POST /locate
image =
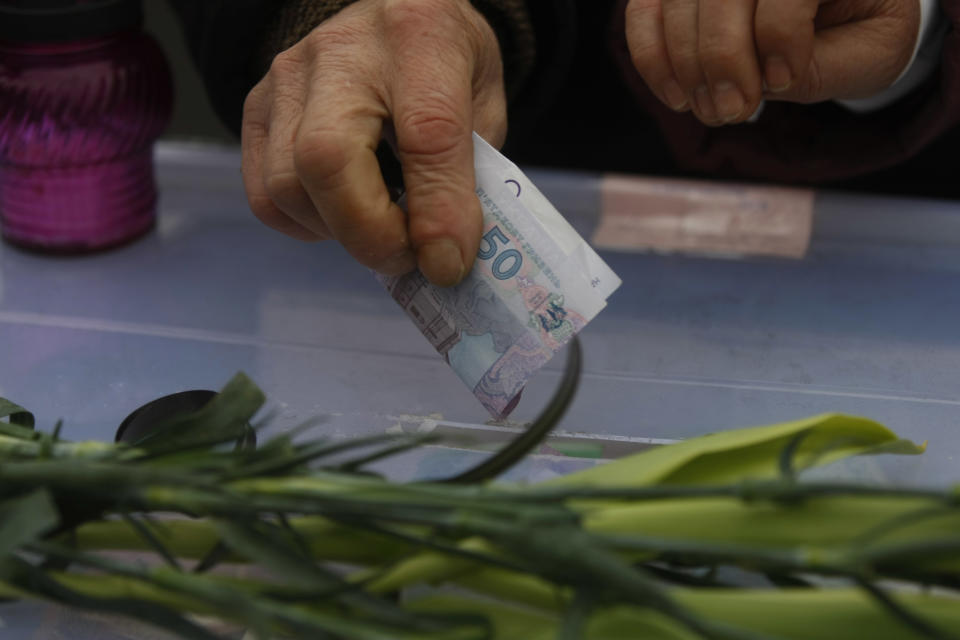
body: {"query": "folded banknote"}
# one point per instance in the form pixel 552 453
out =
pixel 535 284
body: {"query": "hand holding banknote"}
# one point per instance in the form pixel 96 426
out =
pixel 535 284
pixel 421 73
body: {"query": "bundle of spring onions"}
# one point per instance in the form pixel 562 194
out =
pixel 720 536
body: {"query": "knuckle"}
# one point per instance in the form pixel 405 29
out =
pixel 253 103
pixel 321 155
pixel 286 63
pixel 431 131
pixel 332 37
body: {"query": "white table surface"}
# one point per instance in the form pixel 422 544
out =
pixel 868 323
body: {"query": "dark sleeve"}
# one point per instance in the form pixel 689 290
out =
pixel 812 144
pixel 223 37
pixel 234 41
pixel 553 24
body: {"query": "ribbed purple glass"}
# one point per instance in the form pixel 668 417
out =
pixel 77 125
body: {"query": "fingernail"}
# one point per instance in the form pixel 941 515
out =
pixel 728 100
pixel 676 98
pixel 704 104
pixel 441 262
pixel 776 74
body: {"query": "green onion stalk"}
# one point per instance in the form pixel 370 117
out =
pixel 721 536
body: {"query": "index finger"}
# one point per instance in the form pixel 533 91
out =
pixel 335 159
pixel 433 117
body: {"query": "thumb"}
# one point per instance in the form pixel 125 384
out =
pixel 854 60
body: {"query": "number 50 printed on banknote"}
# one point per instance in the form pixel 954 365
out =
pixel 534 285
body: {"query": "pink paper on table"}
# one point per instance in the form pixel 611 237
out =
pixel 703 217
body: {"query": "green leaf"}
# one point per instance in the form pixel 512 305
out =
pixel 788 614
pixel 236 600
pixel 40 584
pixel 402 445
pixel 833 521
pixel 153 541
pixel 751 453
pixel 24 519
pixel 576 618
pixel 193 539
pixel 224 419
pixel 278 551
pixel 799 613
pixel 276 554
pixel 20 421
pixel 516 622
pixel 280 455
pixel 15 414
pixel 824 614
pixel 507 621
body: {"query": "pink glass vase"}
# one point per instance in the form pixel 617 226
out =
pixel 81 103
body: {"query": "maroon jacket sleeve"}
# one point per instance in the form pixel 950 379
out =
pixel 811 144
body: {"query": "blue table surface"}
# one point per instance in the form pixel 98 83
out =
pixel 868 323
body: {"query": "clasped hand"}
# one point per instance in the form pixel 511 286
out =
pixel 720 58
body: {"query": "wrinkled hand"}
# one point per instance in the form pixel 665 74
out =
pixel 421 73
pixel 719 58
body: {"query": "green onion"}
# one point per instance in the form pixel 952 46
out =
pixel 716 537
